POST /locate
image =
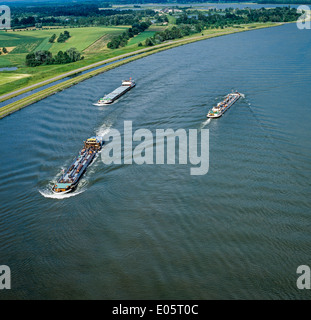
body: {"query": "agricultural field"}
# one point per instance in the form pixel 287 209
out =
pixel 141 37
pixel 28 41
pixel 150 32
pixel 10 77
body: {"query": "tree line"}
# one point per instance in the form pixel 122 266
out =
pixel 75 15
pixel 44 57
pixel 173 33
pixel 230 16
pixel 61 38
pixel 121 40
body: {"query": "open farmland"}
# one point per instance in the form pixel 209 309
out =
pixel 141 37
pixel 150 32
pixel 10 77
pixel 33 40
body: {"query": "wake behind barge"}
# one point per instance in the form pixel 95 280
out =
pixel 117 93
pixel 70 178
pixel 224 105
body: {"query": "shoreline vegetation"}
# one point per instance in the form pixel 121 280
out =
pixel 129 57
pixel 107 39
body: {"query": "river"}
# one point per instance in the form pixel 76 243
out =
pixel 155 231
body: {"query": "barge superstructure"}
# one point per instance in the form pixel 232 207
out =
pixel 70 177
pixel 224 105
pixel 117 93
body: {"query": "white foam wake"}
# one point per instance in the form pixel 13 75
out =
pixel 104 130
pixel 205 123
pixel 49 194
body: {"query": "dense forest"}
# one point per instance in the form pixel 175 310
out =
pixel 239 16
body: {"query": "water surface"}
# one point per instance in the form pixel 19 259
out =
pixel 155 231
pixel 8 69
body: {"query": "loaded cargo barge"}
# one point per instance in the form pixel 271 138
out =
pixel 223 106
pixel 117 93
pixel 70 178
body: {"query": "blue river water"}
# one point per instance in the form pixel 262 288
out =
pixel 8 69
pixel 28 93
pixel 155 231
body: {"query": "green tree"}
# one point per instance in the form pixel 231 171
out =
pixel 63 36
pixel 38 58
pixel 66 58
pixel 59 58
pixel 149 42
pixel 73 54
pixel 66 34
pixel 44 57
pixel 52 39
pixel 31 60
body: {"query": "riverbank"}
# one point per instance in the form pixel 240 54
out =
pixel 146 231
pixel 134 55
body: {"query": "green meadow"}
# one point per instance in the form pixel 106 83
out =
pixel 24 42
pixel 141 37
pixel 92 41
pixel 10 77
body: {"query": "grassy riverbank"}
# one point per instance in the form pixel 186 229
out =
pixel 97 51
pixel 10 108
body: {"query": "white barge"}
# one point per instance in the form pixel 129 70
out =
pixel 117 93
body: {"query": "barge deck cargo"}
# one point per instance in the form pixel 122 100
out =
pixel 223 106
pixel 70 178
pixel 117 93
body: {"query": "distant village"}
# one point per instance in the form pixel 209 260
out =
pixel 167 10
